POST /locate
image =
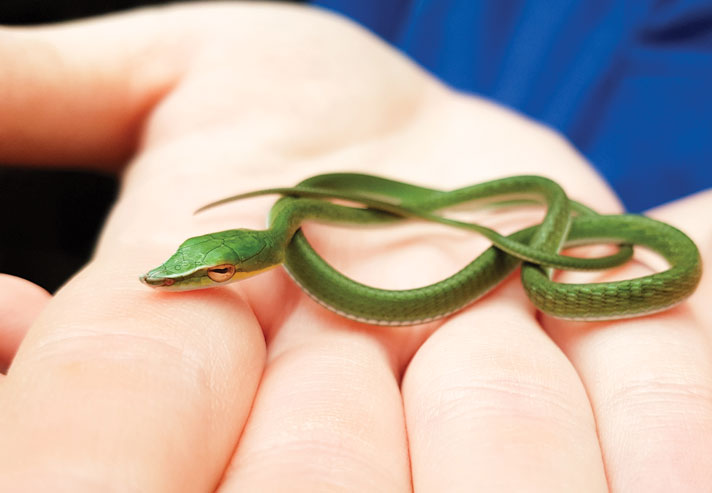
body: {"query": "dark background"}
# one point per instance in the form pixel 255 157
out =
pixel 49 219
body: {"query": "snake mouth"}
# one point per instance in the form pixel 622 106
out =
pixel 156 282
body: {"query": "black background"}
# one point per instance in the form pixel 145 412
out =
pixel 49 219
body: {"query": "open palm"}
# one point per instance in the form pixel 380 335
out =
pixel 254 387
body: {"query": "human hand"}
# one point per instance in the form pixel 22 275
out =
pixel 254 387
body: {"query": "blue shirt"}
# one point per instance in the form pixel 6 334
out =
pixel 628 82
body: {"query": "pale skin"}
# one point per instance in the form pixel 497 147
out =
pixel 253 387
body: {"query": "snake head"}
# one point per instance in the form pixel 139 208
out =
pixel 214 259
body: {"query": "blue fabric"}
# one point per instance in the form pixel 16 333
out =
pixel 630 83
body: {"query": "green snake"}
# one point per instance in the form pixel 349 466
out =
pixel 218 258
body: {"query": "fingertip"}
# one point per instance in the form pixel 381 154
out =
pixel 20 303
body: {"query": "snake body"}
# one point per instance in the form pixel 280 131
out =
pixel 218 258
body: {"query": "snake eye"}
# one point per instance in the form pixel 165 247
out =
pixel 221 273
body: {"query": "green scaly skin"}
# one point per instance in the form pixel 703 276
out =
pixel 566 222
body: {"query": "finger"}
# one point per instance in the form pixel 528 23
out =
pixel 20 303
pixel 650 385
pixel 77 93
pixel 328 415
pixel 117 387
pixel 491 404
